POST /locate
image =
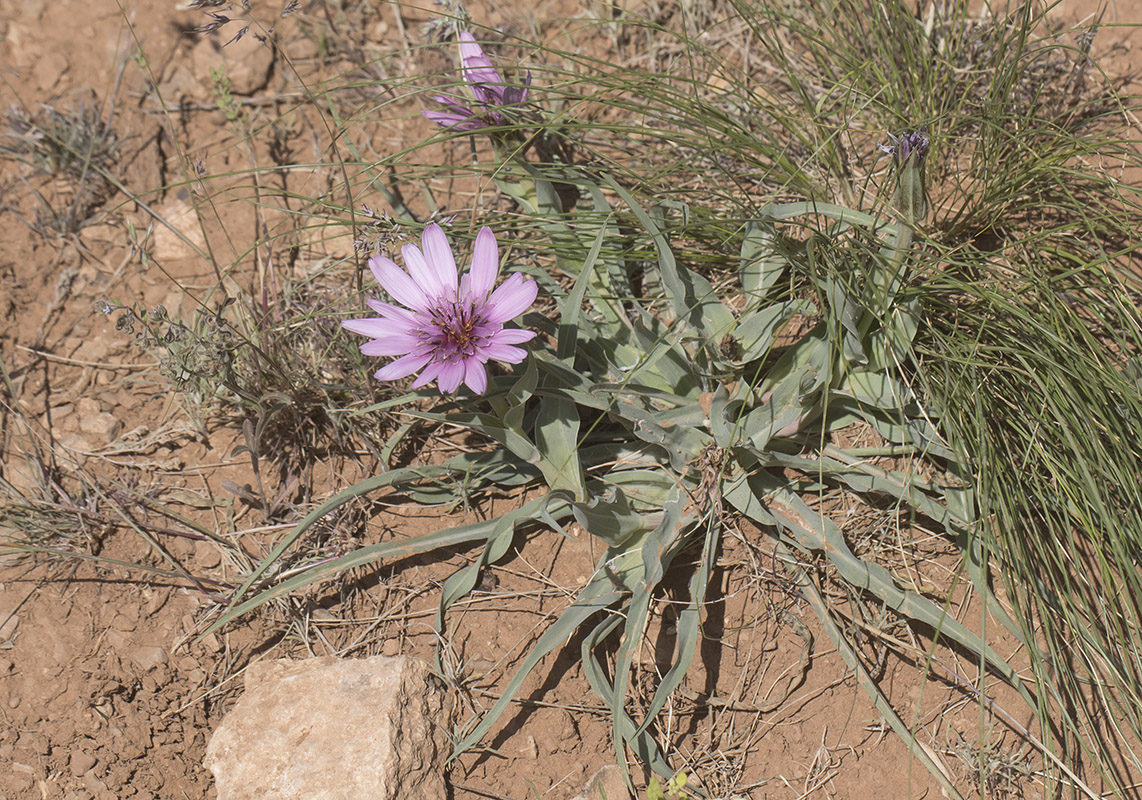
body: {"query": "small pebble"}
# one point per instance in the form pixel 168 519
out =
pixel 206 554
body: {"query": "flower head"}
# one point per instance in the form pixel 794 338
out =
pixel 909 144
pixel 492 96
pixel 450 326
pixel 908 154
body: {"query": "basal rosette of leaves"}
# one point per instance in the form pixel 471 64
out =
pixel 645 422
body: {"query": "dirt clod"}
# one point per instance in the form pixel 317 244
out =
pixel 81 762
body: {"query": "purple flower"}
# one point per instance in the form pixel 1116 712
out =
pixel 908 143
pixel 492 96
pixel 452 326
pixel 908 155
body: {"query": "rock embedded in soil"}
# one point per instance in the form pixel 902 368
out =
pixel 328 728
pixel 167 245
pixel 50 69
pixel 8 625
pixel 147 657
pixel 606 784
pixel 206 554
pixel 94 421
pixel 80 762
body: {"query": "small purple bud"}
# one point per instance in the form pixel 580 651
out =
pixel 909 152
pixel 911 142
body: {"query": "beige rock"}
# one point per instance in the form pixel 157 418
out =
pixel 332 729
pixel 606 784
pixel 147 657
pixel 75 443
pixel 529 750
pixel 378 32
pixel 168 245
pixel 103 233
pixel 63 414
pixel 143 171
pixel 81 762
pixel 95 349
pixel 87 407
pixel 179 85
pixel 299 48
pixel 206 554
pixel 101 426
pixel 23 48
pixel 24 477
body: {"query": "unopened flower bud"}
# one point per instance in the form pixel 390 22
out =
pixel 909 152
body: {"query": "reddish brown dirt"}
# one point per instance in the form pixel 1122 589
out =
pixel 105 691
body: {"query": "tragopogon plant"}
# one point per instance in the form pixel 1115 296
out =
pixel 648 416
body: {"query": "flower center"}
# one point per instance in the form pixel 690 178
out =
pixel 456 329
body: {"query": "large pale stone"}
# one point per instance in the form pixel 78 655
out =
pixel 334 729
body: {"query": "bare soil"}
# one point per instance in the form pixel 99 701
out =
pixel 106 690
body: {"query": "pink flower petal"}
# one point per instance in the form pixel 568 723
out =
pixel 461 120
pixel 475 376
pixel 422 274
pixel 517 94
pixel 485 265
pixel 512 336
pixel 503 352
pixel 402 367
pixel 403 315
pixel 451 373
pixel 391 346
pixel 477 66
pixel 512 298
pixel 451 327
pixel 396 282
pixel 429 375
pixel 376 327
pixel 440 258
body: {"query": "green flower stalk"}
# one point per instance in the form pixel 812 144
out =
pixel 910 199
